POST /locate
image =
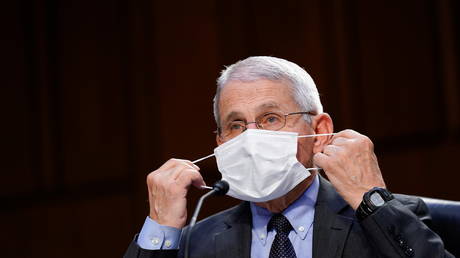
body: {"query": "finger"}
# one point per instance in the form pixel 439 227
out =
pixel 331 150
pixel 159 177
pixel 168 164
pixel 340 141
pixel 348 133
pixel 321 160
pixel 178 171
pixel 190 176
pixel 174 162
pixel 188 162
pixel 198 181
pixel 151 180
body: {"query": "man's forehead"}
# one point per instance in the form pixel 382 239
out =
pixel 268 104
pixel 238 98
pixel 238 91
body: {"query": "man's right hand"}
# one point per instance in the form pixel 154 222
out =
pixel 168 187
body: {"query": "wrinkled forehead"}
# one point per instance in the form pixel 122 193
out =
pixel 255 96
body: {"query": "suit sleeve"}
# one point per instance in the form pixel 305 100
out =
pixel 400 230
pixel 135 251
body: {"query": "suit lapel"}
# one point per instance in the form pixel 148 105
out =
pixel 332 224
pixel 235 241
pixel 330 228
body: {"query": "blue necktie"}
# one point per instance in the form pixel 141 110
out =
pixel 282 246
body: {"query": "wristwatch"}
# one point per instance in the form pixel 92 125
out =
pixel 372 201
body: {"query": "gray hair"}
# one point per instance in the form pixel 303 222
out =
pixel 302 86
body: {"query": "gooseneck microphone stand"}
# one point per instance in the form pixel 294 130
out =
pixel 220 188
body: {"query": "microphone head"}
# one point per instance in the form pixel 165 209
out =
pixel 221 187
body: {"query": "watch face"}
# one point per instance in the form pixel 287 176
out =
pixel 376 199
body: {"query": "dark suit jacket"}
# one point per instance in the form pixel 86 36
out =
pixel 398 229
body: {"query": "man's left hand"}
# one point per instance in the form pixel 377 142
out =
pixel 350 164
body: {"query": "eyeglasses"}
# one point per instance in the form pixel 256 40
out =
pixel 273 121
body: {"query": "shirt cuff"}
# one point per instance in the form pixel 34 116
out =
pixel 154 236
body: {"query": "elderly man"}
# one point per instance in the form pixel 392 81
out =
pixel 273 137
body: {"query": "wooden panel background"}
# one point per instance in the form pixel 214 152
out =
pixel 95 94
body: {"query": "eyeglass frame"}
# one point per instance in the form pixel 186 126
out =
pixel 219 129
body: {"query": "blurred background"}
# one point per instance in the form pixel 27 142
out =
pixel 96 94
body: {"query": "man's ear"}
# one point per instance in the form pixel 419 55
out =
pixel 322 124
pixel 218 139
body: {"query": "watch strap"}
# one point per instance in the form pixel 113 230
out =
pixel 366 206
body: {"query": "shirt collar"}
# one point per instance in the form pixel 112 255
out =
pixel 300 213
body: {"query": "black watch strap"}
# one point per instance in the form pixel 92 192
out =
pixel 367 206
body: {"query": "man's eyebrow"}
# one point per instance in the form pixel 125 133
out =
pixel 262 107
pixel 231 116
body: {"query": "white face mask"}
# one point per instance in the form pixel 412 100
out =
pixel 261 165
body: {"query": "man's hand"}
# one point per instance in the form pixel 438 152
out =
pixel 351 165
pixel 168 187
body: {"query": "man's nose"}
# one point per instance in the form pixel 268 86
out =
pixel 252 125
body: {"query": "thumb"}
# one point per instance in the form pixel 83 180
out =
pixel 321 160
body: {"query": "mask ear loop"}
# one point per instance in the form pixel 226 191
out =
pixel 300 136
pixel 311 136
pixel 203 158
pixel 314 135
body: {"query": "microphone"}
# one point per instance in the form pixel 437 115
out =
pixel 221 187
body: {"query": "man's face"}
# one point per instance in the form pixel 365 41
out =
pixel 244 101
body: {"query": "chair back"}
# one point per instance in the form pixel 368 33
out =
pixel 446 222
